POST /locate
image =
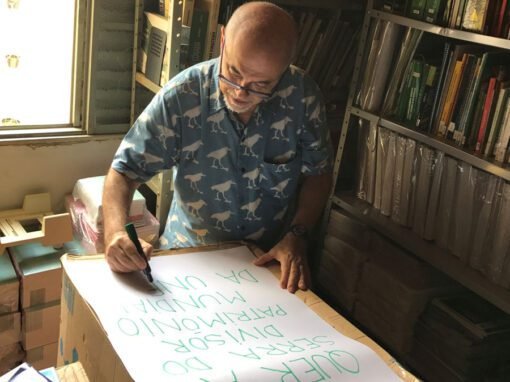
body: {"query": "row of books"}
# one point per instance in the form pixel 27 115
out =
pixel 326 45
pixel 460 94
pixel 442 199
pixel 490 17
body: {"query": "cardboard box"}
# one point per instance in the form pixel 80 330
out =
pixel 348 229
pixel 43 356
pixel 40 325
pixel 395 337
pixel 40 271
pixel 83 339
pixel 10 356
pixel 10 328
pixel 9 286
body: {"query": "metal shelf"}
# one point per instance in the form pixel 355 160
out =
pixel 443 145
pixel 425 250
pixel 442 31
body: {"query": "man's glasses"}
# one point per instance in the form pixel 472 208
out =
pixel 236 86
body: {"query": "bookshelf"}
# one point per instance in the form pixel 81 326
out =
pixel 344 195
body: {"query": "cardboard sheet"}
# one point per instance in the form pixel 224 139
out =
pixel 213 316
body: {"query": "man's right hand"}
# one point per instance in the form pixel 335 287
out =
pixel 121 253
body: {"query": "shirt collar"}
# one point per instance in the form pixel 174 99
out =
pixel 216 101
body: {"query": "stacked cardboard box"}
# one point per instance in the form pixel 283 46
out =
pixel 10 321
pixel 39 269
pixel 341 260
pixel 462 338
pixel 393 291
pixel 85 207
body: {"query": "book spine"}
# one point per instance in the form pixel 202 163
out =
pixel 504 136
pixel 496 121
pixel 485 115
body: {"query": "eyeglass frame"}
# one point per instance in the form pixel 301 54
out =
pixel 236 86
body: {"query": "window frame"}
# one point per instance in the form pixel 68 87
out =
pixel 89 23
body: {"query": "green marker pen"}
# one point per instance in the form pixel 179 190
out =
pixel 131 231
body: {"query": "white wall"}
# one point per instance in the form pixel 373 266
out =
pixel 51 167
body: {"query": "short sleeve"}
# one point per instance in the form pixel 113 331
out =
pixel 153 142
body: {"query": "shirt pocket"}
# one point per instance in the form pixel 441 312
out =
pixel 280 178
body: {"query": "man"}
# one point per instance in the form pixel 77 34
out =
pixel 241 131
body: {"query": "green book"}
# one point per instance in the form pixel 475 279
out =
pixel 415 80
pixel 426 96
pixel 417 9
pixel 432 9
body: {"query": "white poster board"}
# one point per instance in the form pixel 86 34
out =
pixel 214 316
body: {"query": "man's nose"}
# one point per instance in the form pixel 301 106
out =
pixel 241 92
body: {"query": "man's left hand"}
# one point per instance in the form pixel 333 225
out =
pixel 290 252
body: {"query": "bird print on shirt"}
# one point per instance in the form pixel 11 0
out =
pixel 253 176
pixel 279 189
pixel 279 128
pixel 165 133
pixel 250 209
pixel 201 234
pixel 221 189
pixel 248 144
pixel 151 159
pixel 217 156
pixel 192 115
pixel 258 118
pixel 194 207
pixel 256 235
pixel 190 150
pixel 308 100
pixel 186 86
pixel 315 116
pixel 221 218
pixel 280 215
pixel 193 180
pixel 284 94
pixel 282 159
pixel 216 120
pixel 181 240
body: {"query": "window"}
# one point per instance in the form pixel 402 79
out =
pixel 66 67
pixel 36 63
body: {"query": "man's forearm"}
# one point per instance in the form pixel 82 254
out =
pixel 312 199
pixel 117 196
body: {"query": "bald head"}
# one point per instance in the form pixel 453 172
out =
pixel 263 28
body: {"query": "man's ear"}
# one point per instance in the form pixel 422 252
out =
pixel 222 36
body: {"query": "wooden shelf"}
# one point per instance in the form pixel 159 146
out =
pixel 145 82
pixel 449 148
pixel 442 31
pixel 425 250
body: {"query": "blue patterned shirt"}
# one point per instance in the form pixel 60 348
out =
pixel 232 181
